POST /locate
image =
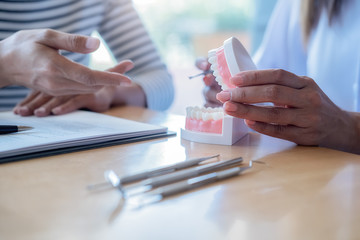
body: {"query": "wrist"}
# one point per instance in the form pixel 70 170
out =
pixel 108 93
pixel 3 79
pixel 356 140
pixel 131 94
pixel 346 133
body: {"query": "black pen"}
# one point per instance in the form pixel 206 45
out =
pixel 4 129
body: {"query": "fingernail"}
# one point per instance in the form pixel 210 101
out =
pixel 208 79
pixel 92 43
pixel 223 96
pixel 24 110
pixel 129 67
pixel 56 110
pixel 204 65
pixel 40 111
pixel 229 106
pixel 250 122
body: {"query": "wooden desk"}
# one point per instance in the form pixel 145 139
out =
pixel 298 193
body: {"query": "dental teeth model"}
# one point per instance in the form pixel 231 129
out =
pixel 212 125
pixel 204 119
pixel 228 60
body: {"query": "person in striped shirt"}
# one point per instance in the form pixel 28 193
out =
pixel 44 46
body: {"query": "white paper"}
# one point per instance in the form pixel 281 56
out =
pixel 73 129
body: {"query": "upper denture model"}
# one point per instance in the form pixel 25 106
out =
pixel 229 60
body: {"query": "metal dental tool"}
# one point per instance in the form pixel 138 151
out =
pixel 202 73
pixel 149 184
pixel 112 178
pixel 179 187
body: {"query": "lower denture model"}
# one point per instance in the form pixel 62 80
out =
pixel 212 125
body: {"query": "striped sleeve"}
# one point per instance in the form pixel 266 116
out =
pixel 11 95
pixel 126 36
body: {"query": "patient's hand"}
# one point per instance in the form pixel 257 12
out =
pixel 41 104
pixel 31 58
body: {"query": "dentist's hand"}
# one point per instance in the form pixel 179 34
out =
pixel 302 112
pixel 211 86
pixel 31 58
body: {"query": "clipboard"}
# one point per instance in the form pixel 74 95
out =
pixel 77 131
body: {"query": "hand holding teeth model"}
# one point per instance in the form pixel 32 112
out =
pixel 211 125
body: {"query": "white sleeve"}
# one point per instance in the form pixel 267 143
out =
pixel 357 87
pixel 127 38
pixel 282 46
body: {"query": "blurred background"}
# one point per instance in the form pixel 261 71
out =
pixel 187 29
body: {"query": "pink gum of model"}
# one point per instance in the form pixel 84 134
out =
pixel 209 126
pixel 223 68
pixel 232 130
